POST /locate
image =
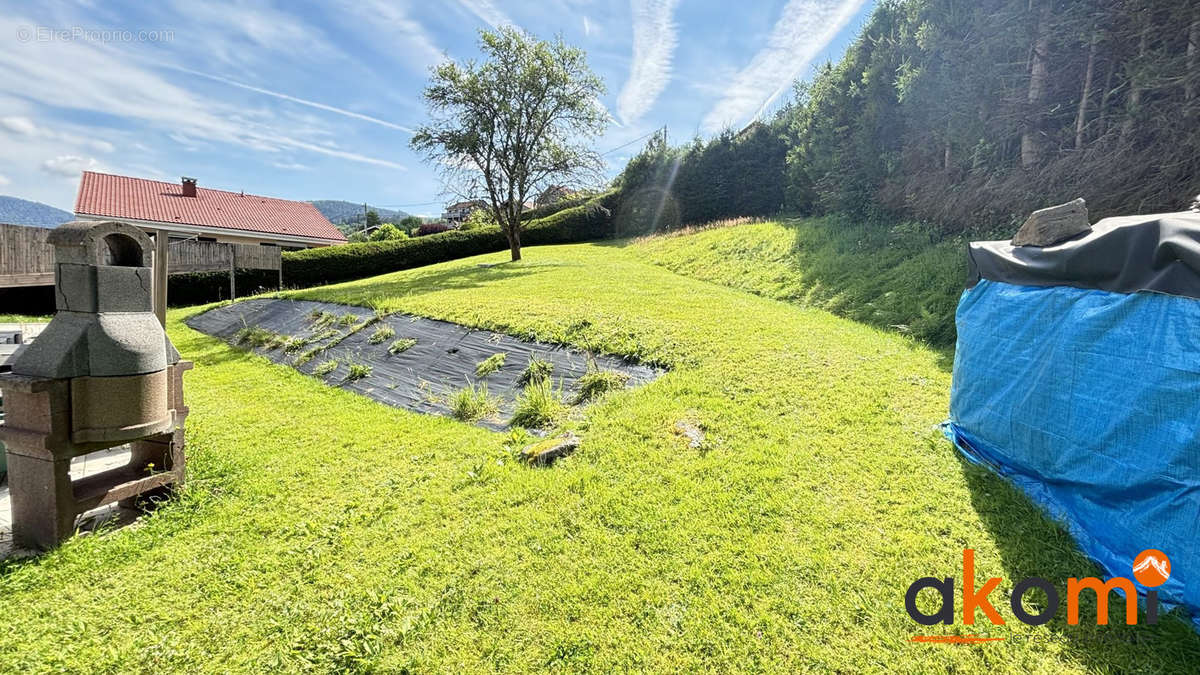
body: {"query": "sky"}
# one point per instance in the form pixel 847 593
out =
pixel 307 101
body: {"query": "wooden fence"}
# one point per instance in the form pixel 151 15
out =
pixel 26 259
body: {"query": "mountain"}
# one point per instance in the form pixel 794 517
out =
pixel 15 211
pixel 345 213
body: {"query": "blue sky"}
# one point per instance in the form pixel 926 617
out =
pixel 318 102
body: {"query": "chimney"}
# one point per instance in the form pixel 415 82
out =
pixel 189 187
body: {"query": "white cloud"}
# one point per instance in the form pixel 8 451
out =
pixel 301 101
pixel 488 12
pixel 391 25
pixel 654 41
pixel 71 166
pixel 19 125
pixel 587 27
pixel 26 127
pixel 291 166
pixel 119 87
pixel 803 30
pixel 4 180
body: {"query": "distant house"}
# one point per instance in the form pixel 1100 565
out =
pixel 458 212
pixel 186 211
pixel 553 195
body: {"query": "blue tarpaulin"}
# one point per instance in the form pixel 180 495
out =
pixel 1089 401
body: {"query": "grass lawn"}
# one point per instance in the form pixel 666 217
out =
pixel 322 530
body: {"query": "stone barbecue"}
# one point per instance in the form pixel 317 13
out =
pixel 102 374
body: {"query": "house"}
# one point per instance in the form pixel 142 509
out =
pixel 186 211
pixel 460 211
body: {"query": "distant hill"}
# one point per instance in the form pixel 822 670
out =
pixel 348 213
pixel 15 211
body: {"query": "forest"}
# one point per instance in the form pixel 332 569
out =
pixel 963 116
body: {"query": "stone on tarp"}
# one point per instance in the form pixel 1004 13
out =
pixel 1049 226
pixel 1196 204
pixel 544 453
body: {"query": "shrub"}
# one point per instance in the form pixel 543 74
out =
pixel 432 228
pixel 473 403
pixel 325 368
pixel 538 406
pixel 401 345
pixel 388 232
pixel 317 266
pixel 490 365
pixel 478 218
pixel 596 383
pixel 536 371
pixel 358 371
pixel 382 333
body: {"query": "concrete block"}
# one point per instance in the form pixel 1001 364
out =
pixel 123 289
pixel 125 344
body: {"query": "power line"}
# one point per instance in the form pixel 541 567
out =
pixel 625 145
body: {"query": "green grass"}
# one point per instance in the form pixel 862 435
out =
pixel 490 365
pixel 473 403
pixel 24 318
pixel 322 531
pixel 895 279
pixel 539 405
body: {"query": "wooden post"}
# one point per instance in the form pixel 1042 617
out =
pixel 159 295
pixel 232 271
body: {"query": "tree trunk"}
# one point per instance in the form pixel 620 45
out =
pixel 1135 90
pixel 1081 118
pixel 1193 57
pixel 513 233
pixel 1031 144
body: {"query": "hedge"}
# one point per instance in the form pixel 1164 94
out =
pixel 195 288
pixel 317 266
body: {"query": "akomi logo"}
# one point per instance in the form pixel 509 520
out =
pixel 1151 568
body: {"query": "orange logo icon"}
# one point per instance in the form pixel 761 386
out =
pixel 1151 568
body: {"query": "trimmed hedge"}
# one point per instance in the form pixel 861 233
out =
pixel 318 266
pixel 196 288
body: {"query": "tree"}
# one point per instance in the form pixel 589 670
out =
pixel 388 232
pixel 511 125
pixel 372 219
pixel 407 223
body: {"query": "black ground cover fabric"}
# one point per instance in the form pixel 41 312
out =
pixel 443 359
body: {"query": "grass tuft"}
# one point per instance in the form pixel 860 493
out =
pixel 325 368
pixel 490 365
pixel 537 371
pixel 597 383
pixel 382 333
pixel 540 405
pixel 401 345
pixel 358 371
pixel 473 403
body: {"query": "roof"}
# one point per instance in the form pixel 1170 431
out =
pixel 474 203
pixel 111 196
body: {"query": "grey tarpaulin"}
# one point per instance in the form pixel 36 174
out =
pixel 1159 253
pixel 443 359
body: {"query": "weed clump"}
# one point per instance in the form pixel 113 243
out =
pixel 473 402
pixel 490 365
pixel 401 345
pixel 325 368
pixel 539 405
pixel 382 333
pixel 347 319
pixel 537 371
pixel 259 337
pixel 597 383
pixel 358 371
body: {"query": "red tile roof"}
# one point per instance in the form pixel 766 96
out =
pixel 102 194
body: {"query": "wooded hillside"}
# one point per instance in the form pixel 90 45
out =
pixel 967 114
